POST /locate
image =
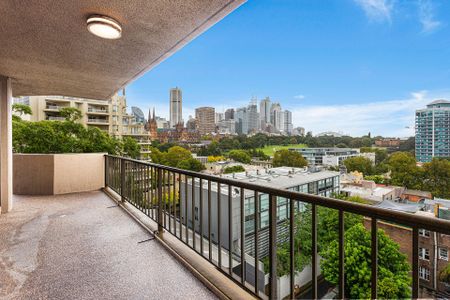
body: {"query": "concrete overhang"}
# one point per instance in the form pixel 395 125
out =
pixel 47 50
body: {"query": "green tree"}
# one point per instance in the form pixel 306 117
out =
pixel 404 171
pixel 444 276
pixel 191 164
pixel 20 109
pixel 71 114
pixel 379 179
pixel 176 154
pixel 287 158
pixel 233 169
pixel 393 268
pixel 437 177
pixel 130 147
pixel 360 164
pixel 240 156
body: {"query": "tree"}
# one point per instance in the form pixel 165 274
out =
pixel 240 156
pixel 71 114
pixel 437 177
pixel 175 155
pixel 61 137
pixel 21 109
pixel 191 164
pixel 287 158
pixel 393 268
pixel 360 164
pixel 444 276
pixel 233 169
pixel 379 179
pixel 404 171
pixel 130 147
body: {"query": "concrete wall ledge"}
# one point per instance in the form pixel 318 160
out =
pixel 53 174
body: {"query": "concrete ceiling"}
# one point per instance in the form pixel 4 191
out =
pixel 46 48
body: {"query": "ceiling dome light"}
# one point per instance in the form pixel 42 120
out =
pixel 104 27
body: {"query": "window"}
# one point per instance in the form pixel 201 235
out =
pixel 423 232
pixel 424 273
pixel 424 253
pixel 443 253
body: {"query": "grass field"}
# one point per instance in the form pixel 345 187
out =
pixel 270 150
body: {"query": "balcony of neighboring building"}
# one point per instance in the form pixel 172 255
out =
pixel 97 109
pixel 97 120
pixel 54 106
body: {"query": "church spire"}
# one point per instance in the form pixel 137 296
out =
pixel 154 118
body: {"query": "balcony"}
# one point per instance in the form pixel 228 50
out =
pixel 52 118
pixel 93 110
pixel 53 107
pixel 185 205
pixel 98 121
pixel 82 246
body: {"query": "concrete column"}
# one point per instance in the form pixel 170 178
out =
pixel 5 144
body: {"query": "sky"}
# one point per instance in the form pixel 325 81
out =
pixel 351 66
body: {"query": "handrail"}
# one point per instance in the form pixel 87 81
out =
pixel 423 222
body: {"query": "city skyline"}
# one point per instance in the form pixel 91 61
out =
pixel 400 51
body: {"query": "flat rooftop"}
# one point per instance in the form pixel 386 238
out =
pixel 281 177
pixel 81 246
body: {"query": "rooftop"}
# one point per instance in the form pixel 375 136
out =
pixel 281 177
pixel 81 246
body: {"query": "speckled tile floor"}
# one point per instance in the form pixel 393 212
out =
pixel 75 247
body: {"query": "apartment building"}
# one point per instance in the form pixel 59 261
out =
pixel 108 115
pixel 205 117
pixel 433 131
pixel 331 156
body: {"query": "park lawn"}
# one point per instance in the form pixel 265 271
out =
pixel 271 149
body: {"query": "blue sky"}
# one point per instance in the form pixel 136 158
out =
pixel 343 65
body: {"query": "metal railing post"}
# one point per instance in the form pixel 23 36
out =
pixel 106 171
pixel 122 180
pixel 273 294
pixel 160 195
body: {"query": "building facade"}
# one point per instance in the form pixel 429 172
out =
pixel 330 156
pixel 433 131
pixel 264 112
pixel 205 117
pixel 109 116
pixel 176 107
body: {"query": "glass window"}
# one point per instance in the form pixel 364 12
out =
pixel 443 253
pixel 424 273
pixel 423 232
pixel 424 253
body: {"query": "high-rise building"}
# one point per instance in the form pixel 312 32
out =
pixel 176 102
pixel 433 131
pixel 253 117
pixel 276 117
pixel 241 119
pixel 138 114
pixel 219 117
pixel 229 114
pixel 287 122
pixel 264 112
pixel 205 120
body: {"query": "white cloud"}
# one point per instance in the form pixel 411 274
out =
pixel 377 10
pixel 387 118
pixel 426 16
pixel 300 97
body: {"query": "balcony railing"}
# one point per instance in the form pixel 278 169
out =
pixel 53 107
pixel 56 118
pixel 104 121
pixel 97 110
pixel 187 205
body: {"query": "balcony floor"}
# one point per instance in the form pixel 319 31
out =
pixel 75 247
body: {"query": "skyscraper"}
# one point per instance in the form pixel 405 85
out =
pixel 276 117
pixel 205 120
pixel 253 117
pixel 264 112
pixel 176 113
pixel 433 131
pixel 229 114
pixel 287 122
